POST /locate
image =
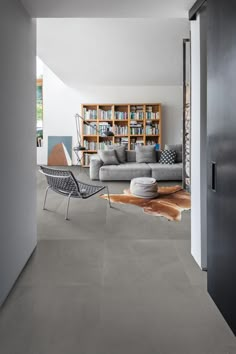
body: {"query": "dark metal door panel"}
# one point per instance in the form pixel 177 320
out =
pixel 221 137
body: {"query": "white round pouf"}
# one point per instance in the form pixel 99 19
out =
pixel 144 187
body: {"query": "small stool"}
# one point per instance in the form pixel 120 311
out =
pixel 144 187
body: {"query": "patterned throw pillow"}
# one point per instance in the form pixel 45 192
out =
pixel 168 157
pixel 179 150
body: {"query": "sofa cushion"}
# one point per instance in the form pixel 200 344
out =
pixel 124 172
pixel 145 154
pixel 120 152
pixel 168 157
pixel 95 165
pixel 178 148
pixel 166 172
pixel 108 157
pixel 131 155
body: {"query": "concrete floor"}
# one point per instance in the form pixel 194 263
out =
pixel 111 281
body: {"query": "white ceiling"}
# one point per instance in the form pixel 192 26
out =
pixel 110 52
pixel 108 8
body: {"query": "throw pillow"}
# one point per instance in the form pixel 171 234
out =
pixel 168 157
pixel 146 154
pixel 108 157
pixel 178 148
pixel 120 152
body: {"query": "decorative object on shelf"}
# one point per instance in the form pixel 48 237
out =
pixel 171 201
pixel 60 150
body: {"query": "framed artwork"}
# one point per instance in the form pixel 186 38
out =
pixel 59 150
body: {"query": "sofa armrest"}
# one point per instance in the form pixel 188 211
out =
pixel 95 165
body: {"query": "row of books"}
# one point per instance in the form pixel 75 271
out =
pixel 152 128
pixel 136 115
pixel 90 129
pixel 136 128
pixel 121 115
pixel 90 145
pixel 105 115
pixel 136 142
pixel 122 141
pixel 136 108
pixel 93 145
pixel 152 131
pixel 136 131
pixel 90 114
pixel 87 158
pixel 104 127
pixel 121 130
pixel 102 145
pixel 152 115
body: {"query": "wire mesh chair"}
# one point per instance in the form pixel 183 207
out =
pixel 65 183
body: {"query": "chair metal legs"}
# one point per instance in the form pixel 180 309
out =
pixel 108 194
pixel 45 198
pixel 68 201
pixel 68 204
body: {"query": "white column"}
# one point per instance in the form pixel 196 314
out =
pixel 198 140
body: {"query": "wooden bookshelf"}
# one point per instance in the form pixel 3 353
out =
pixel 132 124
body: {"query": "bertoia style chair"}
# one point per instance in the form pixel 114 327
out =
pixel 65 183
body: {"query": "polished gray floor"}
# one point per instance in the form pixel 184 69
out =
pixel 111 281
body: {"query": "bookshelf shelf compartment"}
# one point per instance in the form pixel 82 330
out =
pixel 105 120
pixel 89 136
pixel 122 120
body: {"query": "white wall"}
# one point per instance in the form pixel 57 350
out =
pixel 198 141
pixel 18 150
pixel 124 51
pixel 62 102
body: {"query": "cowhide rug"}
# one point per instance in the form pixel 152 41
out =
pixel 170 202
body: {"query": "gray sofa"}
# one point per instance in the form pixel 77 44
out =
pixel 131 169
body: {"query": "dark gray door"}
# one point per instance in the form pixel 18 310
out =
pixel 221 136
